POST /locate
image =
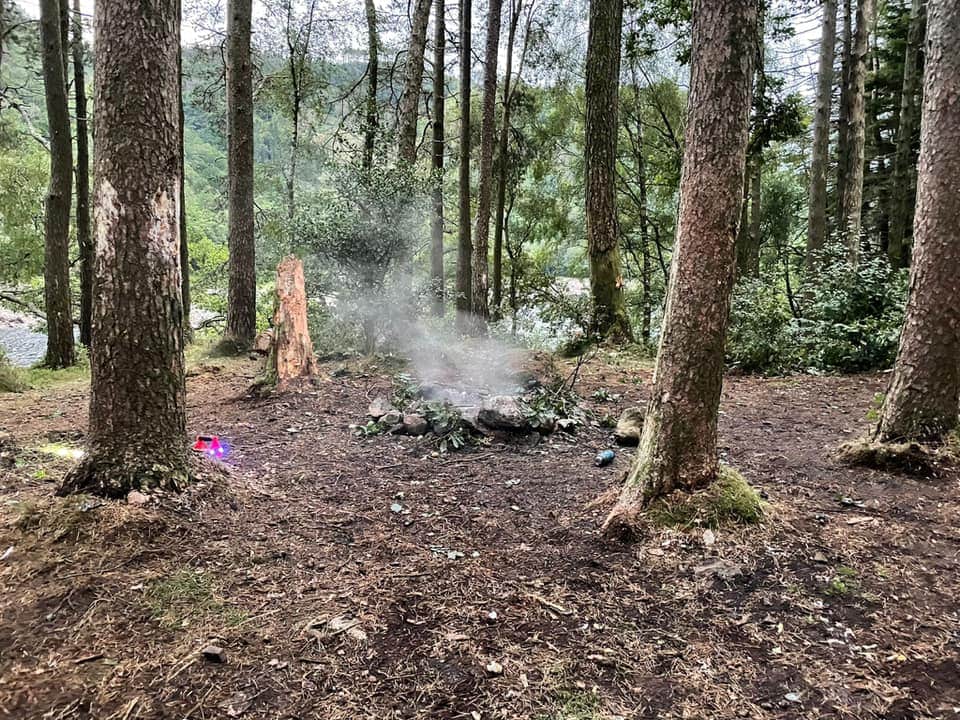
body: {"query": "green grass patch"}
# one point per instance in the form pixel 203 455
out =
pixel 844 583
pixel 39 378
pixel 729 500
pixel 187 594
pixel 17 380
pixel 12 379
pixel 574 705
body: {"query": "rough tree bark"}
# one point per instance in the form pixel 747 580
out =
pixel 464 240
pixel 184 244
pixel 922 399
pixel 137 433
pixel 372 120
pixel 56 217
pixel 819 157
pixel 241 324
pixel 600 148
pixel 678 448
pixel 436 219
pixel 843 111
pixel 852 200
pixel 902 160
pixel 481 247
pixel 503 159
pixel 82 179
pixel 748 236
pixel 291 353
pixel 409 105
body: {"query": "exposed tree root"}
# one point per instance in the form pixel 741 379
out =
pixel 115 479
pixel 626 523
pixel 911 458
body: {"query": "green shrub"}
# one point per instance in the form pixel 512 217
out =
pixel 761 336
pixel 849 320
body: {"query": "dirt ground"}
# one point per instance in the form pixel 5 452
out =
pixel 491 594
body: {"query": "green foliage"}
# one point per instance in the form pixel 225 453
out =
pixel 850 323
pixel 23 180
pixel 855 317
pixel 369 429
pixel 365 224
pixel 554 406
pixel 876 406
pixel 15 379
pixel 760 338
pixel 405 391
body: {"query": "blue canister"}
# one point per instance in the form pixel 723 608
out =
pixel 605 457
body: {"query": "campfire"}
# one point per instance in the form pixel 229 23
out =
pixel 522 406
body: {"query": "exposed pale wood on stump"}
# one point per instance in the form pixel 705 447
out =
pixel 291 356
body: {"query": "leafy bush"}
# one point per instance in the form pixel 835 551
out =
pixel 850 320
pixel 366 226
pixel 761 331
pixel 854 317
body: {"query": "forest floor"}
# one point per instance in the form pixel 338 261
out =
pixel 329 604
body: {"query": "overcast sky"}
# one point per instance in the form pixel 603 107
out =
pixel 795 59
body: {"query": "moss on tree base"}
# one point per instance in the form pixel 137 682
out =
pixel 729 500
pixel 911 457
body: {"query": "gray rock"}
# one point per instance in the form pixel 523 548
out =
pixel 722 568
pixel 470 418
pixel 379 407
pixel 502 412
pixel 263 341
pixel 135 497
pixel 393 417
pixel 415 424
pixel 214 654
pixel 629 427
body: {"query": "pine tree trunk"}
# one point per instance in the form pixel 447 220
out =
pixel 600 148
pixel 436 220
pixel 748 236
pixel 82 179
pixel 136 438
pixel 819 156
pixel 56 218
pixel 645 274
pixel 409 105
pixel 843 114
pixel 481 308
pixel 850 218
pixel 903 161
pixel 184 243
pixel 922 400
pixel 502 161
pixel 464 240
pixel 372 121
pixel 294 155
pixel 242 289
pixel 678 448
pixel 753 257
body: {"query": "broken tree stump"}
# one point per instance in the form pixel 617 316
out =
pixel 291 351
